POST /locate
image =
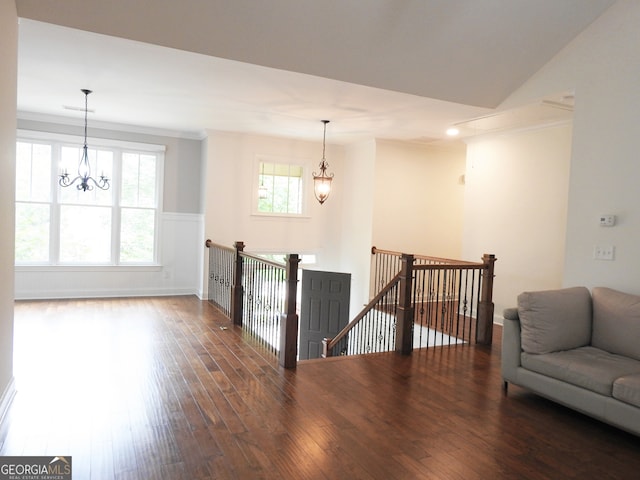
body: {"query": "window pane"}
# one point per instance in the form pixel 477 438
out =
pixel 23 171
pixel 85 234
pixel 283 185
pixel 295 195
pixel 100 163
pixel 33 172
pixel 69 158
pixel 147 181
pixel 138 180
pixel 32 232
pixel 137 235
pixel 265 203
pixel 280 194
pixel 130 174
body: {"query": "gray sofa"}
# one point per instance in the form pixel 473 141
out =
pixel 579 349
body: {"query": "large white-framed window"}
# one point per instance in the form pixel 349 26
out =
pixel 281 187
pixel 59 226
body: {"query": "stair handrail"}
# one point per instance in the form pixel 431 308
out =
pixel 329 343
pixel 411 263
pixel 443 260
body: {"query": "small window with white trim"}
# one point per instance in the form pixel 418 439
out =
pixel 280 188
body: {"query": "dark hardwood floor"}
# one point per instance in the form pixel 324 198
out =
pixel 167 388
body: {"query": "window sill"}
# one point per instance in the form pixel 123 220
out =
pixel 293 216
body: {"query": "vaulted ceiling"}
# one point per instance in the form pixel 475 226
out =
pixel 398 69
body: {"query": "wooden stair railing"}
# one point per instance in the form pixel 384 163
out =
pixel 430 290
pixel 393 312
pixel 328 344
pixel 262 299
pixel 220 276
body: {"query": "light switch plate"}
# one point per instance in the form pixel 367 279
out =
pixel 603 252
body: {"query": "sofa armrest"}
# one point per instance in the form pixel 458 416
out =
pixel 510 314
pixel 511 346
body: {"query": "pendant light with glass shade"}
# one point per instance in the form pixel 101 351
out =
pixel 322 180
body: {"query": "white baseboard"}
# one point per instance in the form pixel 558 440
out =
pixel 104 293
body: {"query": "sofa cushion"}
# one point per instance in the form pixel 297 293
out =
pixel 627 389
pixel 616 322
pixel 554 320
pixel 585 367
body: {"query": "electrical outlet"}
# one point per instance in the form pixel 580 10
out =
pixel 603 252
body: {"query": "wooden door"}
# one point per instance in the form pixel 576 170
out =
pixel 324 309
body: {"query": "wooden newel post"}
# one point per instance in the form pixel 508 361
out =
pixel 404 327
pixel 289 319
pixel 484 330
pixel 236 288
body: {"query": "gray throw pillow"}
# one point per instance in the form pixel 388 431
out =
pixel 555 320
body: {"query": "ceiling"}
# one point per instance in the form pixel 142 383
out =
pixel 395 69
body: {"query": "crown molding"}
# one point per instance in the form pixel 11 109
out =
pixel 120 127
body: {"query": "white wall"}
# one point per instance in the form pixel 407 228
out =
pixel 419 198
pixel 357 219
pixel 8 93
pixel 516 208
pixel 232 179
pixel 602 65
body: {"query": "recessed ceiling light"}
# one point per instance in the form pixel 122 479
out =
pixel 453 131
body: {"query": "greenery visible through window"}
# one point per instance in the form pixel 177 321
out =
pixel 280 188
pixel 66 226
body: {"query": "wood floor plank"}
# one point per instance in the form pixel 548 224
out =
pixel 155 388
